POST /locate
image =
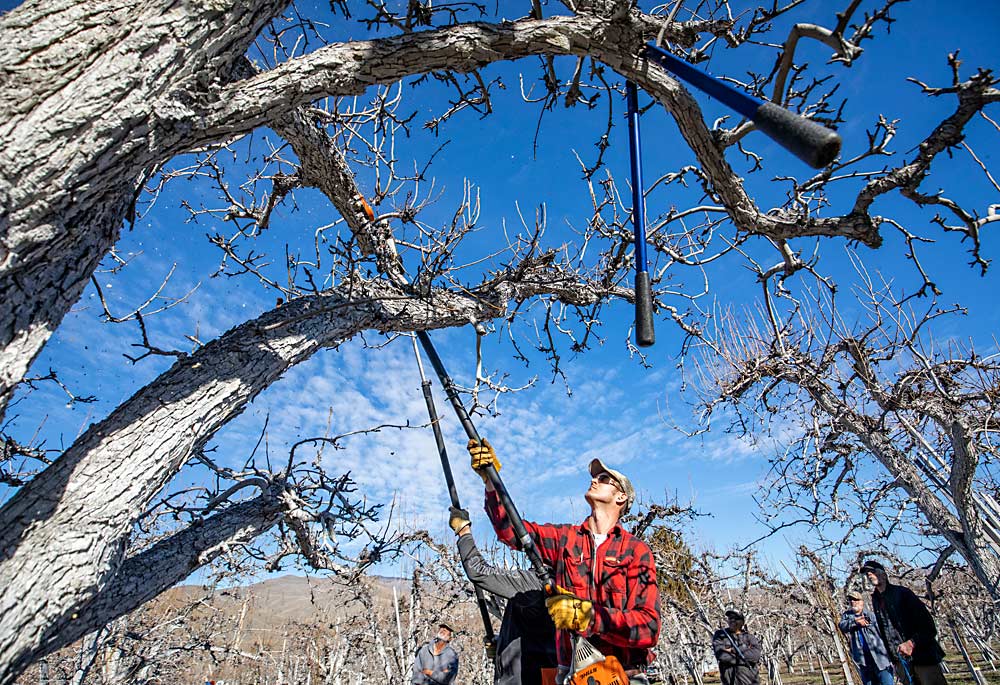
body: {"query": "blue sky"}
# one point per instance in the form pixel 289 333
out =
pixel 618 410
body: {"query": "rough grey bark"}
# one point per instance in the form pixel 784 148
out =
pixel 90 101
pixel 877 419
pixel 349 68
pixel 145 575
pixel 60 545
pixel 103 110
pixel 964 531
pixel 96 94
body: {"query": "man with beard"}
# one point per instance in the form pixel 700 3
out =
pixel 436 663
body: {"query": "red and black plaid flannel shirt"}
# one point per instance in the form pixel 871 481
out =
pixel 626 602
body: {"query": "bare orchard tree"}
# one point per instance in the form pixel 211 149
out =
pixel 881 391
pixel 98 96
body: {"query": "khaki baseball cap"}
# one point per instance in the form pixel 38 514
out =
pixel 597 466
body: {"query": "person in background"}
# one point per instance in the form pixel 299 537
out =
pixel 737 651
pixel 906 627
pixel 436 663
pixel 867 649
pixel 526 644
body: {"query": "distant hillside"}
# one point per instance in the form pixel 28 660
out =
pixel 292 628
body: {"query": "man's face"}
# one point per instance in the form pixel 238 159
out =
pixel 857 605
pixel 735 624
pixel 872 577
pixel 443 635
pixel 604 488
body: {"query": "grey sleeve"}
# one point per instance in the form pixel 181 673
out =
pixel 416 674
pixel 847 623
pixel 752 651
pixel 450 669
pixel 500 582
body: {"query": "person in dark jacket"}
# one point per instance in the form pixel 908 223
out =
pixel 737 651
pixel 527 640
pixel 907 629
pixel 867 649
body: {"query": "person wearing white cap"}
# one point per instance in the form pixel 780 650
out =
pixel 605 577
pixel 868 650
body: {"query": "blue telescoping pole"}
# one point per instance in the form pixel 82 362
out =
pixel 644 333
pixel 813 143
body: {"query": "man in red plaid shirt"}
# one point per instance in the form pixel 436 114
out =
pixel 605 576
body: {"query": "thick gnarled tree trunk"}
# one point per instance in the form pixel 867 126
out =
pixel 89 102
pixel 97 108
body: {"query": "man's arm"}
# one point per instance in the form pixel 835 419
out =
pixel 723 648
pixel 751 650
pixel 418 675
pixel 548 537
pixel 847 623
pixel 447 671
pixel 451 670
pixel 501 582
pixel 638 624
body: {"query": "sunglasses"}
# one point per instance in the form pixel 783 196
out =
pixel 606 478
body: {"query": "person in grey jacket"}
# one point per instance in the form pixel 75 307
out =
pixel 436 663
pixel 737 662
pixel 527 640
pixel 867 649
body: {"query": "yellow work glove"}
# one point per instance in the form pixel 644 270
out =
pixel 570 612
pixel 483 455
pixel 458 519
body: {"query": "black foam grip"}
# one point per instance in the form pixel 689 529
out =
pixel 644 334
pixel 814 144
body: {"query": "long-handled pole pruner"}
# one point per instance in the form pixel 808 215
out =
pixel 645 336
pixel 814 144
pixel 425 386
pixel 811 142
pixel 644 333
pixel 525 541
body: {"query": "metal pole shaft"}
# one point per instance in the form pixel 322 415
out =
pixel 635 159
pixel 644 333
pixel 449 478
pixel 525 540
